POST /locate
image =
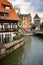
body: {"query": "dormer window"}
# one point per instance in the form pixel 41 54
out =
pixel 7 7
pixel 4 15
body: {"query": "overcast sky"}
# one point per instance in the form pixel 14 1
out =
pixel 29 6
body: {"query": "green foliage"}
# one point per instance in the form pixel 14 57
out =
pixel 19 28
pixel 20 21
pixel 5 40
pixel 33 26
pixel 41 26
pixel 14 29
pixel 6 29
pixel 17 37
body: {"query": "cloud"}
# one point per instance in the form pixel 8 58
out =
pixel 29 6
pixel 32 4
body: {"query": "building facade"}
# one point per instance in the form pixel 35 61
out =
pixel 37 22
pixel 8 22
pixel 26 22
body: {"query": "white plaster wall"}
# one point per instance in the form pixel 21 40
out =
pixel 8 26
pixel 11 26
pixel 12 34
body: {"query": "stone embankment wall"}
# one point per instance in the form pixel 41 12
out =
pixel 15 44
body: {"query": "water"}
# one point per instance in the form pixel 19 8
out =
pixel 31 53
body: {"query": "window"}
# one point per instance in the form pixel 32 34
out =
pixel 7 38
pixel 4 15
pixel 5 25
pixel 7 7
pixel 14 25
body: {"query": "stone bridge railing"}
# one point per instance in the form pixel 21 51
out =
pixel 37 32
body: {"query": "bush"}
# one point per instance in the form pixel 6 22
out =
pixel 33 26
pixel 17 37
pixel 5 40
pixel 41 26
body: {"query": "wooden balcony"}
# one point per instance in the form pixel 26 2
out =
pixel 9 30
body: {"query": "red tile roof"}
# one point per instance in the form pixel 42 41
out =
pixel 2 9
pixel 5 2
pixel 11 13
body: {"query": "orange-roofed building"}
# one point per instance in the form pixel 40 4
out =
pixel 26 22
pixel 8 21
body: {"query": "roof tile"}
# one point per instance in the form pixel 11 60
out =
pixel 11 13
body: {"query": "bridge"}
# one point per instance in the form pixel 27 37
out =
pixel 38 32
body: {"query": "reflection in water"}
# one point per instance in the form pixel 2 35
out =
pixel 13 58
pixel 31 53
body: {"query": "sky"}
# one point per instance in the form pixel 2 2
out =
pixel 29 6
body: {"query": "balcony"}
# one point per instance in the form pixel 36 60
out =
pixel 9 30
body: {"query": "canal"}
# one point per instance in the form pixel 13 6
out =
pixel 31 53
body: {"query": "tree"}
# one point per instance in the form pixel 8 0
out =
pixel 33 26
pixel 41 26
pixel 17 9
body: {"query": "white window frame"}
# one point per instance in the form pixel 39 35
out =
pixel 7 7
pixel 7 25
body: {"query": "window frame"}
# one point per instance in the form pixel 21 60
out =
pixel 6 25
pixel 7 7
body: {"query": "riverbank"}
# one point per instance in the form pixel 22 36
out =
pixel 9 47
pixel 30 33
pixel 31 53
